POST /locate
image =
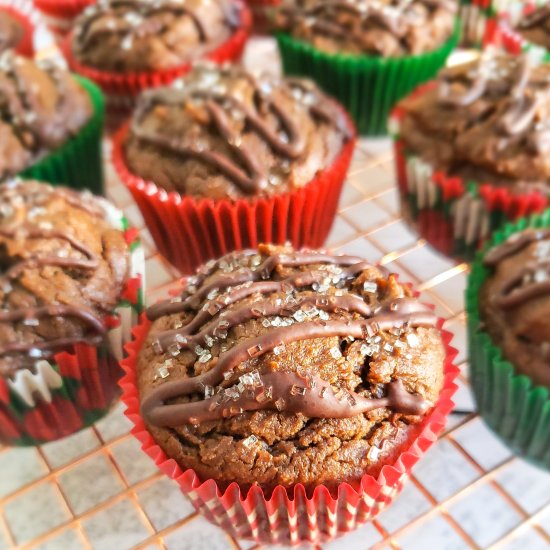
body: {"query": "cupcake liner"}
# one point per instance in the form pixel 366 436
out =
pixel 188 231
pixel 78 162
pixel 455 216
pixel 512 406
pixel 511 40
pixel 75 388
pixel 122 89
pixel 36 36
pixel 477 23
pixel 292 516
pixel 367 86
pixel 63 9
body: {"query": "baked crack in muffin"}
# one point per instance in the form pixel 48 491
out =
pixel 279 367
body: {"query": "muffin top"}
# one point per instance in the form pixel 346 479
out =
pixel 144 35
pixel 63 269
pixel 224 133
pixel 486 120
pixel 11 31
pixel 41 107
pixel 535 26
pixel 283 367
pixel 386 28
pixel 515 301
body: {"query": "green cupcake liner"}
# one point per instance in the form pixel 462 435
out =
pixel 78 162
pixel 513 407
pixel 367 86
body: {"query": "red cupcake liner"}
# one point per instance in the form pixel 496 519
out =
pixel 121 89
pixel 188 232
pixel 63 9
pixel 24 13
pixel 292 516
pixel 454 215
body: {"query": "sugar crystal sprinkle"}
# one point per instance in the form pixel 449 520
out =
pixel 250 441
pixel 370 287
pixel 280 404
pixel 297 390
pixel 335 353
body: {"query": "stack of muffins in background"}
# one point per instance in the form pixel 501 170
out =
pixel 288 391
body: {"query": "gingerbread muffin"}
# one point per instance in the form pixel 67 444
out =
pixel 43 107
pixel 386 28
pixel 222 133
pixel 472 150
pixel 278 367
pixel 11 31
pixel 514 299
pixel 127 36
pixel 66 270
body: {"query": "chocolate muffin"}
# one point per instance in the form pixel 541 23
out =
pixel 514 302
pixel 11 31
pixel 41 107
pixel 283 367
pixel 484 121
pixel 386 28
pixel 64 266
pixel 535 26
pixel 224 133
pixel 127 36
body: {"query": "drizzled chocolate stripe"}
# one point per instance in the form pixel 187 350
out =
pixel 513 245
pixel 242 167
pixel 535 18
pixel 399 313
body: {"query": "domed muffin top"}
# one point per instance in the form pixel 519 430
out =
pixel 486 120
pixel 11 31
pixel 144 35
pixel 225 133
pixel 387 28
pixel 64 266
pixel 41 107
pixel 515 301
pixel 284 367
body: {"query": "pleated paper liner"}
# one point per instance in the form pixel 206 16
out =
pixel 513 407
pixel 76 387
pixel 455 216
pixel 78 162
pixel 477 23
pixel 367 86
pixel 122 89
pixel 188 231
pixel 292 516
pixel 64 9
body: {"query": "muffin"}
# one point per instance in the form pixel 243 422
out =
pixel 525 27
pixel 508 301
pixel 70 290
pixel 369 54
pixel 278 369
pixel 222 160
pixel 472 150
pixel 128 46
pixel 51 124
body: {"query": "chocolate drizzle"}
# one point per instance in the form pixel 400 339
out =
pixel 535 18
pixel 530 282
pixel 226 112
pixel 18 201
pixel 332 310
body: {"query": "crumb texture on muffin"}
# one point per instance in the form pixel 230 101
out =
pixel 535 26
pixel 486 120
pixel 283 367
pixel 42 106
pixel 515 300
pixel 224 133
pixel 386 28
pixel 63 269
pixel 140 35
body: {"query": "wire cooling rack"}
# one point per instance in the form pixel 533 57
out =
pixel 97 490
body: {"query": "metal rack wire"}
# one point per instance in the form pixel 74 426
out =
pixel 97 490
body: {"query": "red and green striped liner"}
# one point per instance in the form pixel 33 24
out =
pixel 89 376
pixel 454 215
pixel 515 409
